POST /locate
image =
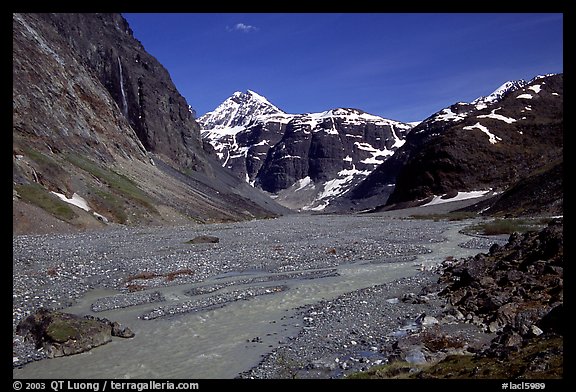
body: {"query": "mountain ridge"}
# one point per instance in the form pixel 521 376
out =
pixel 304 160
pixel 98 119
pixel 230 112
pixel 486 144
pixel 364 188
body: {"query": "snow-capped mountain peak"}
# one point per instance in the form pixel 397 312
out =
pixel 257 97
pixel 460 110
pixel 238 110
pixel 305 160
pixel 498 94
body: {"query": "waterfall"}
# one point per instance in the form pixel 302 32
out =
pixel 124 103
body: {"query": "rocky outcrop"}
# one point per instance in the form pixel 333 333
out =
pixel 490 143
pixel 499 315
pixel 60 334
pixel 515 290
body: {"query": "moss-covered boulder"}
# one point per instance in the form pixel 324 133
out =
pixel 61 334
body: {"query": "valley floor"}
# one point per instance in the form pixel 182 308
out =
pixel 299 296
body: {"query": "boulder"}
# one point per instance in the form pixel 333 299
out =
pixel 204 239
pixel 61 334
pixel 553 321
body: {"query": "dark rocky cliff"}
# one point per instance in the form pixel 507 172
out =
pixel 469 147
pixel 138 83
pixel 96 118
pixel 321 146
pixel 306 160
pixel 57 102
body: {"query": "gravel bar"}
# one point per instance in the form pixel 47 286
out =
pixel 126 300
pixel 211 302
pixel 207 289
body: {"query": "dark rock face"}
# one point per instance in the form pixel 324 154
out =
pixel 484 144
pixel 138 83
pixel 341 139
pixel 516 289
pixel 61 334
pixel 334 150
pixel 539 194
pixel 258 139
pixel 244 153
pixel 273 150
pixel 96 116
pixel 58 104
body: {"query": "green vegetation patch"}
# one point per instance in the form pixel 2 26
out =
pixel 503 226
pixel 37 195
pixel 110 202
pixel 63 328
pixel 540 358
pixel 450 216
pixel 40 158
pixel 396 369
pixel 117 182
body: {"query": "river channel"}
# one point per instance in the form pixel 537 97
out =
pixel 285 263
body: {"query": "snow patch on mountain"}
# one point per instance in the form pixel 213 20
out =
pixel 239 130
pixel 373 160
pixel 493 139
pixel 80 202
pixel 448 115
pixel 536 88
pixel 495 116
pixel 460 196
pixel 303 183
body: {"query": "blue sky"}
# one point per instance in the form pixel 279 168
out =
pixel 400 66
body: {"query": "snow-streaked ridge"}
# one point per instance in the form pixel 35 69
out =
pixel 499 93
pixel 462 110
pixel 505 88
pixel 238 110
pixel 235 118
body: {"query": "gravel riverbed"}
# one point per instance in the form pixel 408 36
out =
pixel 369 327
pixel 337 335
